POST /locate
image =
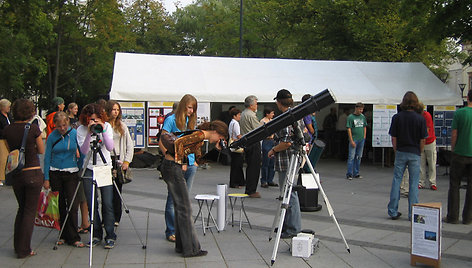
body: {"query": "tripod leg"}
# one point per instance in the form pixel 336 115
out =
pixel 92 221
pixel 328 204
pixel 67 215
pixel 127 212
pixel 292 171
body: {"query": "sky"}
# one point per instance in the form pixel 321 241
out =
pixel 170 7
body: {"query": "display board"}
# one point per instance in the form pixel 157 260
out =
pixel 443 116
pixel 381 120
pixel 133 117
pixel 155 119
pixel 426 234
pixel 203 112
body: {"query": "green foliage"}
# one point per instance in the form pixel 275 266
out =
pixel 67 47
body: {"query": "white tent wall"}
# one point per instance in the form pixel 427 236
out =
pixel 143 77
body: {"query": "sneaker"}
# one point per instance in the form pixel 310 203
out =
pixel 420 186
pixel 358 176
pixel 273 184
pixel 265 185
pixel 109 244
pixel 95 242
pixel 434 188
pixel 396 217
pixel 117 224
pixel 349 177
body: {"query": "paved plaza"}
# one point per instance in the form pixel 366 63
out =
pixel 360 206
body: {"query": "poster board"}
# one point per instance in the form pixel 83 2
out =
pixel 133 117
pixel 381 120
pixel 155 120
pixel 203 112
pixel 443 116
pixel 426 234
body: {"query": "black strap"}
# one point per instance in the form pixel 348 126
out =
pixel 25 135
pixel 184 133
pixel 62 136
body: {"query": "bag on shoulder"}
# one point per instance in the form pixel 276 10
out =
pixel 124 176
pixel 16 159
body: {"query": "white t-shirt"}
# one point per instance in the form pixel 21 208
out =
pixel 234 130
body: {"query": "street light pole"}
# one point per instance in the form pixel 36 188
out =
pixel 241 29
pixel 462 87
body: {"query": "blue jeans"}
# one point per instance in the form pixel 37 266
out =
pixel 354 158
pixel 267 168
pixel 293 216
pixel 107 208
pixel 169 212
pixel 402 160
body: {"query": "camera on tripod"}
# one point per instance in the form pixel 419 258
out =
pixel 96 128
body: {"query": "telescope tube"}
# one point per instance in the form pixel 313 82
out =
pixel 311 105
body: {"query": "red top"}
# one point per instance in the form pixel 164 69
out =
pixel 430 125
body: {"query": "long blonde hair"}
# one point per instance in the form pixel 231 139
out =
pixel 115 123
pixel 181 113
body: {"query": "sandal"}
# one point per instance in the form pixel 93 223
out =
pixel 78 244
pixel 171 238
pixel 82 230
pixel 32 253
pixel 60 242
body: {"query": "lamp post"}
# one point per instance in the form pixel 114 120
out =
pixel 241 29
pixel 462 87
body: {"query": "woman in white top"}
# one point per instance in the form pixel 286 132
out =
pixel 123 150
pixel 236 177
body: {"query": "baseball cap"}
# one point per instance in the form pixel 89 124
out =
pixel 283 94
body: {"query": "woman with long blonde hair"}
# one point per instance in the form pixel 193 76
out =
pixel 185 118
pixel 122 153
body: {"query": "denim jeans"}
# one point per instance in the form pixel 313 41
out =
pixel 403 160
pixel 354 158
pixel 186 239
pixel 169 212
pixel 267 168
pixel 293 218
pixel 107 208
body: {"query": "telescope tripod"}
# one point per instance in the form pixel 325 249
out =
pixel 294 167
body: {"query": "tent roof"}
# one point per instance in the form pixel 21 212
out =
pixel 144 77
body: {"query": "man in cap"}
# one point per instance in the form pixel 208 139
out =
pixel 282 151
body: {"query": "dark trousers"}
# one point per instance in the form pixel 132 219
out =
pixel 253 162
pixel 236 175
pixel 186 240
pixel 26 186
pixel 117 206
pixel 65 183
pixel 460 165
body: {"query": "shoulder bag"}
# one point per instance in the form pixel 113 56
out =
pixel 16 159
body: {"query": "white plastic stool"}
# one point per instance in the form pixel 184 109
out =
pixel 204 198
pixel 233 198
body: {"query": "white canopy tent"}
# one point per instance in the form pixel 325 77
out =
pixel 143 77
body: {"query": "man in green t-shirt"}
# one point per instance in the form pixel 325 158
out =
pixel 356 131
pixel 461 145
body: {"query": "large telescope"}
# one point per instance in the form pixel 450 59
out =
pixel 313 104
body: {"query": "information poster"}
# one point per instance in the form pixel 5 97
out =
pixel 443 116
pixel 156 114
pixel 133 117
pixel 203 112
pixel 381 120
pixel 425 232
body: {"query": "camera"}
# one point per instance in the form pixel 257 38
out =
pixel 96 128
pixel 222 144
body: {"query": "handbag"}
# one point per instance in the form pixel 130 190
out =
pixel 122 176
pixel 47 212
pixel 16 159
